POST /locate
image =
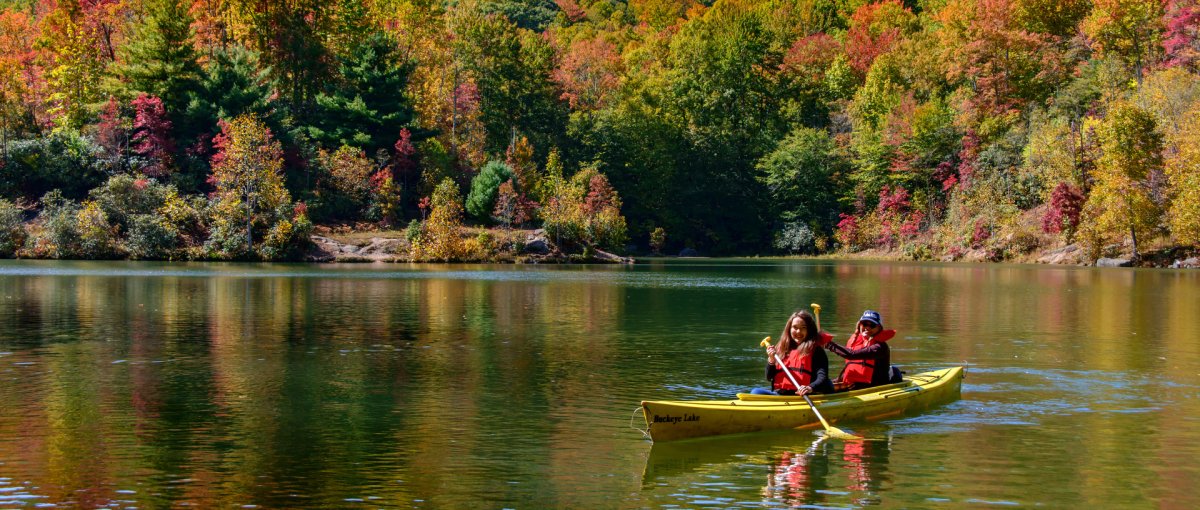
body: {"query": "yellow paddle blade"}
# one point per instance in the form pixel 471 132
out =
pixel 837 433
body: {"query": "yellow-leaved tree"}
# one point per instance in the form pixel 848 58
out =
pixel 253 211
pixel 584 212
pixel 1183 172
pixel 1130 30
pixel 441 235
pixel 74 62
pixel 1121 201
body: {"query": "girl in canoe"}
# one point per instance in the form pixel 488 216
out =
pixel 800 349
pixel 868 358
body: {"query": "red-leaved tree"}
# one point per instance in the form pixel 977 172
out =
pixel 895 215
pixel 404 160
pixel 1007 65
pixel 1182 38
pixel 874 30
pixel 1066 204
pixel 112 135
pixel 847 231
pixel 152 135
pixel 571 9
pixel 512 208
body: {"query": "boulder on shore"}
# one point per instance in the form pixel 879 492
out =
pixel 1189 263
pixel 330 250
pixel 536 243
pixel 1113 262
pixel 383 246
pixel 1069 254
pixel 610 257
pixel 323 250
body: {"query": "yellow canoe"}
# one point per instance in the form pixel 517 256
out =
pixel 671 420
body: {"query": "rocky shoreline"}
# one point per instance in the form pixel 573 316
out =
pixel 532 247
pixel 522 247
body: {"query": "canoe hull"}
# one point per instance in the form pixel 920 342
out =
pixel 674 420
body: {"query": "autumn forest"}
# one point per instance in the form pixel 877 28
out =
pixel 930 129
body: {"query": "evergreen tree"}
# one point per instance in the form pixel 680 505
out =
pixel 367 108
pixel 232 84
pixel 160 59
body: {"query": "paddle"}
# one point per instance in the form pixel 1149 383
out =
pixel 830 430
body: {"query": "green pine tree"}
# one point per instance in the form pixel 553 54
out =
pixel 160 59
pixel 366 108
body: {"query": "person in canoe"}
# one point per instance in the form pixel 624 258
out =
pixel 799 347
pixel 868 358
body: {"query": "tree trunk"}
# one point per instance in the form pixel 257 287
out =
pixel 1133 235
pixel 1132 225
pixel 249 222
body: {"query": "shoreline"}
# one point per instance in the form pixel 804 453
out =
pixel 368 246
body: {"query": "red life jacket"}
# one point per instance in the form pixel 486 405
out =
pixel 801 367
pixel 861 370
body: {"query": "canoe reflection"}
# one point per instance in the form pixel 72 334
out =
pixel 801 467
pixel 713 455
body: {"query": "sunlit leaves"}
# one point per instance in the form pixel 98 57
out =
pixel 441 235
pixel 874 30
pixel 75 60
pixel 1181 41
pixel 1054 17
pixel 1005 64
pixel 20 80
pixel 585 211
pixel 589 71
pixel 799 176
pixel 1128 29
pixel 1121 201
pixel 247 175
pixel 1183 172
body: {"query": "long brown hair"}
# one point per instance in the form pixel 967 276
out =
pixel 806 344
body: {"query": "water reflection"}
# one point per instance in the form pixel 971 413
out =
pixel 157 385
pixel 791 468
pixel 801 478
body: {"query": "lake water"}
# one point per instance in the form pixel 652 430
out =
pixel 145 385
